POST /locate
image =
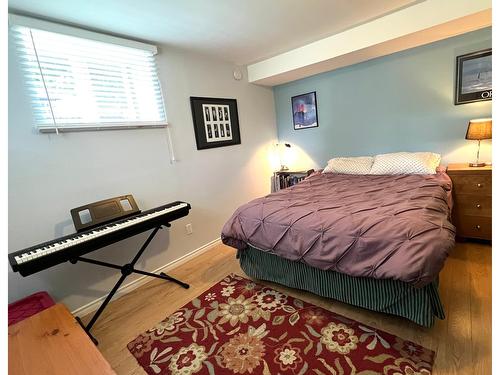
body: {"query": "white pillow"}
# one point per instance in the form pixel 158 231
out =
pixel 355 165
pixel 406 163
pixel 431 160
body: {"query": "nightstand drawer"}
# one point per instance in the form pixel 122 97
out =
pixel 472 184
pixel 473 226
pixel 472 205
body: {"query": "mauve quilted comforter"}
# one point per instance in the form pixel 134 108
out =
pixel 384 227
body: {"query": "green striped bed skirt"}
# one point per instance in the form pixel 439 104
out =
pixel 419 305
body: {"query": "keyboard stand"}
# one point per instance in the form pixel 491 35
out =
pixel 126 270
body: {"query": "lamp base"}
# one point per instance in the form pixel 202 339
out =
pixel 477 164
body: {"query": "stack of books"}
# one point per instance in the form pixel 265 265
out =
pixel 283 180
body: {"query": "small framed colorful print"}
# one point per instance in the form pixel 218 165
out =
pixel 215 122
pixel 304 111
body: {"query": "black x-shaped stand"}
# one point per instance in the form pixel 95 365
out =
pixel 126 270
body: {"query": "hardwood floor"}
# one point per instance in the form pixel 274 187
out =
pixel 462 341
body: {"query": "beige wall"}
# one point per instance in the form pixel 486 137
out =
pixel 50 174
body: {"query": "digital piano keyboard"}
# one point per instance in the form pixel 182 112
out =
pixel 68 248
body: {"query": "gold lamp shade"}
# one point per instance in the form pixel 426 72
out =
pixel 478 130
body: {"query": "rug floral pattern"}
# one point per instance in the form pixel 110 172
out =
pixel 240 327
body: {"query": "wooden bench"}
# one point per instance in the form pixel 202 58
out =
pixel 52 342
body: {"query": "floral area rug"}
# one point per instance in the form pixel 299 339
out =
pixel 240 327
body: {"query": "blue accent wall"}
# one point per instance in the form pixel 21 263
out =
pixel 399 102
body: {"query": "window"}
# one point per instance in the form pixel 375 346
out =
pixel 80 80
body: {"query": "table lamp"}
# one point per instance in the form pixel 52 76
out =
pixel 478 129
pixel 283 155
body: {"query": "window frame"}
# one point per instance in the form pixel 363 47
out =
pixel 34 23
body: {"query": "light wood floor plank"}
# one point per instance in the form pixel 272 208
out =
pixel 480 298
pixel 462 341
pixel 456 357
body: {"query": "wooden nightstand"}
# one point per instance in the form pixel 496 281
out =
pixel 471 200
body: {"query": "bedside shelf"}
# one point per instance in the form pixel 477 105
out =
pixel 284 179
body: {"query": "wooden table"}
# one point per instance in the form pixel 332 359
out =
pixel 52 342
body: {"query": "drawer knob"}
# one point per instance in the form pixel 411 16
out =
pixel 478 205
pixel 479 185
pixel 478 227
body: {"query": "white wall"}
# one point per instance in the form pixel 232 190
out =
pixel 50 174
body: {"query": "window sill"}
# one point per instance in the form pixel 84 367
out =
pixel 87 128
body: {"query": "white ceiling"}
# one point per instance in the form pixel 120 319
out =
pixel 240 31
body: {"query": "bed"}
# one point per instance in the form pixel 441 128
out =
pixel 373 241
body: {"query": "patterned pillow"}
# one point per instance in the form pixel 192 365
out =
pixel 406 163
pixel 356 165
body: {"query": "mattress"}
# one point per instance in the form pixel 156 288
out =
pixel 382 227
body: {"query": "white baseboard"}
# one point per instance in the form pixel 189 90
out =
pixel 127 288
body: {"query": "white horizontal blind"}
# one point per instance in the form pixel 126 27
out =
pixel 82 83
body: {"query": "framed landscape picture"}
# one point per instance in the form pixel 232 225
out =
pixel 215 122
pixel 304 111
pixel 473 82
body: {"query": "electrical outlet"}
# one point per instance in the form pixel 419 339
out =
pixel 189 229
